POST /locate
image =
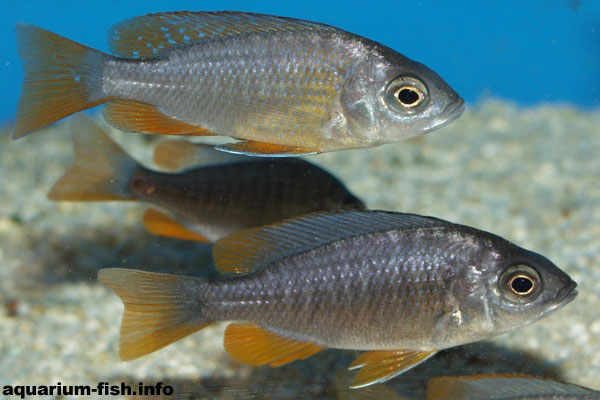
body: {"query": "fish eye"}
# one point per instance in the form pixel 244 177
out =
pixel 406 94
pixel 409 96
pixel 520 283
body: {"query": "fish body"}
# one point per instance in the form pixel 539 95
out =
pixel 505 387
pixel 229 194
pixel 285 86
pixel 399 286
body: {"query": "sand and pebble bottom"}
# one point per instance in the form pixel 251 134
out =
pixel 529 175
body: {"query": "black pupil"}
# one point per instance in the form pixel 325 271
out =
pixel 521 284
pixel 408 96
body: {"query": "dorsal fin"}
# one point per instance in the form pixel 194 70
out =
pixel 177 155
pixel 150 35
pixel 243 251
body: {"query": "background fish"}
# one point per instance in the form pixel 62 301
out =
pixel 399 286
pixel 473 387
pixel 204 203
pixel 505 387
pixel 285 86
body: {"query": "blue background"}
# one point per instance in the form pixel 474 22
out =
pixel 527 51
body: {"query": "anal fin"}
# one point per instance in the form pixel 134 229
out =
pixel 134 116
pixel 382 365
pixel 161 224
pixel 252 344
pixel 260 149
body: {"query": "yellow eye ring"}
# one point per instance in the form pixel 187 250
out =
pixel 521 285
pixel 409 96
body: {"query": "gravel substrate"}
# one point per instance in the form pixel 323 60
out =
pixel 529 175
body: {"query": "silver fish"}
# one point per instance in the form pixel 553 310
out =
pixel 399 286
pixel 284 86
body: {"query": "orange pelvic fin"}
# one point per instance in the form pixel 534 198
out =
pixel 159 223
pixel 380 366
pixel 177 155
pixel 252 344
pixel 62 77
pixel 260 149
pixel 134 116
pixel 158 309
pixel 101 169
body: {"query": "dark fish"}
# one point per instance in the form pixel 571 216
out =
pixel 203 203
pixel 284 86
pixel 399 286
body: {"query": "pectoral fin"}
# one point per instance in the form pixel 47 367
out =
pixel 252 344
pixel 260 149
pixel 380 366
pixel 159 223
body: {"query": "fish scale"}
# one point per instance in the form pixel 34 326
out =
pixel 402 287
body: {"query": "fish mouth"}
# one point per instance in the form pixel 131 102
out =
pixel 450 113
pixel 565 296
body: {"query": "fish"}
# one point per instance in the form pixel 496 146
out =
pixel 281 86
pixel 204 194
pixel 399 287
pixel 505 387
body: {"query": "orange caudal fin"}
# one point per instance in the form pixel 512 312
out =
pixel 101 169
pixel 159 309
pixel 62 77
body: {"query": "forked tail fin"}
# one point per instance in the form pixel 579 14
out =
pixel 61 78
pixel 101 169
pixel 159 309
